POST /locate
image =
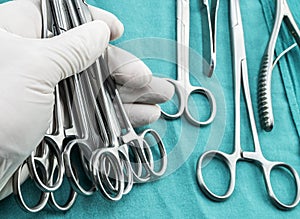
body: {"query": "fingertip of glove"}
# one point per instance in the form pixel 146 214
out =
pixel 168 89
pixel 142 114
pixel 115 25
pixel 99 34
pixel 133 75
pixel 117 29
pixel 153 115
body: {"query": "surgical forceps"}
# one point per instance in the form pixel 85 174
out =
pixel 87 143
pixel 283 13
pixel 183 87
pixel 111 100
pixel 46 160
pixel 211 16
pixel 241 77
pixel 138 144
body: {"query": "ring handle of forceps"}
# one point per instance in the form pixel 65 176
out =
pixel 183 95
pixel 267 167
pixel 162 152
pixel 230 160
pixel 274 199
pixel 98 161
pixel 44 198
pixel 19 196
pixel 65 207
pixel 143 149
pixel 31 162
pixel 71 172
pixel 128 175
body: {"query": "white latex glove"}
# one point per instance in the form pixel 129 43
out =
pixel 31 67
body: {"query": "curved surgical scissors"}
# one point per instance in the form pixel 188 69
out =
pixel 183 87
pixel 241 76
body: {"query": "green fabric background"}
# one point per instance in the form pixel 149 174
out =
pixel 177 195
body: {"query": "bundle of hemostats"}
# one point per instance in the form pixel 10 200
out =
pixel 86 142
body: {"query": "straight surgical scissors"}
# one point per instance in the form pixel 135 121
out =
pixel 183 87
pixel 241 77
pixel 283 13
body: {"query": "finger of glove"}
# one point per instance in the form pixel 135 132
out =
pixel 127 69
pixel 73 51
pixel 157 91
pixel 114 24
pixel 140 114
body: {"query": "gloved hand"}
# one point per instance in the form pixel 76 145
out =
pixel 31 67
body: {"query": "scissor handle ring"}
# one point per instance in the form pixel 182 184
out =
pixel 179 90
pixel 32 166
pixel 150 167
pixel 71 172
pixel 212 103
pixel 229 160
pixel 99 159
pixel 267 169
pixel 18 192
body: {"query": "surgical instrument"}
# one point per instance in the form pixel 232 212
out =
pixel 86 143
pixel 46 160
pixel 136 142
pixel 86 118
pixel 211 13
pixel 76 114
pixel 241 78
pixel 79 14
pixel 283 13
pixel 183 87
